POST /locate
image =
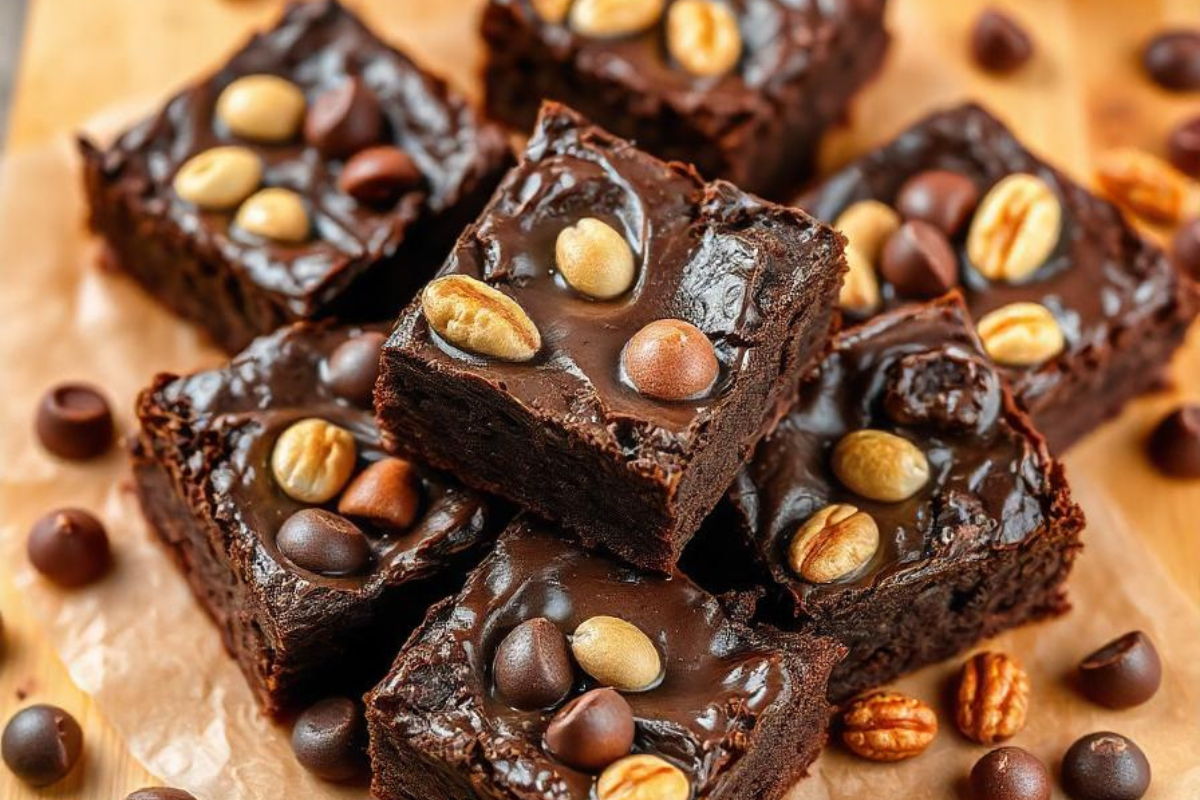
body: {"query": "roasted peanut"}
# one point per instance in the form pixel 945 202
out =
pixel 880 466
pixel 703 37
pixel 263 108
pixel 313 459
pixel 594 259
pixel 616 653
pixel 471 315
pixel 1021 334
pixel 219 178
pixel 1015 229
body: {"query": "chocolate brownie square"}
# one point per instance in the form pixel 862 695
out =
pixel 346 217
pixel 743 89
pixel 731 712
pixel 609 340
pixel 1111 306
pixel 310 548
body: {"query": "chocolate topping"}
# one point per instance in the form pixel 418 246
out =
pixel 74 421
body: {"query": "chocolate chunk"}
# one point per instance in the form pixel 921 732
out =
pixel 940 197
pixel 1172 60
pixel 344 120
pixel 1122 674
pixel 1105 766
pixel 160 793
pixel 947 390
pixel 919 261
pixel 74 421
pixel 378 175
pixel 1185 248
pixel 592 731
pixel 323 542
pixel 41 744
pixel 1010 773
pixel 69 546
pixel 386 494
pixel 670 359
pixel 353 367
pixel 999 43
pixel 328 739
pixel 1174 446
pixel 1183 147
pixel 532 669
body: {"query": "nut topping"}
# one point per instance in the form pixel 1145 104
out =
pixel 594 259
pixel 613 18
pixel 473 316
pixel 880 466
pixel 642 777
pixel 835 542
pixel 1144 184
pixel 993 698
pixel 888 726
pixel 263 108
pixel 275 213
pixel 616 653
pixel 703 37
pixel 312 460
pixel 1015 229
pixel 552 11
pixel 219 178
pixel 1021 334
pixel 867 224
pixel 860 287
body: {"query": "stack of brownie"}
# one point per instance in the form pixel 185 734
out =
pixel 627 507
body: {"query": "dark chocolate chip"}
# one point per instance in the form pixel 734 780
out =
pixel 378 175
pixel 353 367
pixel 74 421
pixel 69 546
pixel 940 197
pixel 1172 60
pixel 323 542
pixel 999 43
pixel 344 120
pixel 1174 446
pixel 41 744
pixel 945 390
pixel 160 793
pixel 1122 674
pixel 919 261
pixel 592 731
pixel 328 739
pixel 1185 248
pixel 1105 766
pixel 1010 773
pixel 532 668
pixel 1183 147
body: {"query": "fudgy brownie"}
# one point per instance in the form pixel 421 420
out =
pixel 905 506
pixel 308 545
pixel 319 172
pixel 1109 308
pixel 495 695
pixel 743 89
pixel 608 341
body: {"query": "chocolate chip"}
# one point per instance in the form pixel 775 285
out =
pixel 323 542
pixel 532 668
pixel 69 546
pixel 919 261
pixel 946 390
pixel 1010 773
pixel 1172 60
pixel 74 421
pixel 160 793
pixel 940 197
pixel 592 731
pixel 328 739
pixel 352 368
pixel 1105 766
pixel 41 744
pixel 386 494
pixel 670 359
pixel 1185 248
pixel 999 43
pixel 344 120
pixel 1122 674
pixel 378 175
pixel 1183 146
pixel 1174 446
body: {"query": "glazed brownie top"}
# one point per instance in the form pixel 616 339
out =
pixel 317 47
pixel 1100 280
pixel 917 373
pixel 719 678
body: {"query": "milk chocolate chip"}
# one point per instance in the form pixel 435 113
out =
pixel 940 197
pixel 344 120
pixel 378 175
pixel 670 359
pixel 919 261
pixel 532 668
pixel 74 421
pixel 351 369
pixel 69 546
pixel 592 731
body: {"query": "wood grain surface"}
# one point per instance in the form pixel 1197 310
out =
pixel 1081 94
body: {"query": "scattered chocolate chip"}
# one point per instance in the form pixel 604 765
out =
pixel 999 43
pixel 323 542
pixel 948 391
pixel 74 421
pixel 670 359
pixel 1174 446
pixel 41 744
pixel 1105 766
pixel 940 197
pixel 378 175
pixel 386 494
pixel 1185 248
pixel 592 731
pixel 1183 147
pixel 532 668
pixel 160 793
pixel 352 368
pixel 344 120
pixel 1172 60
pixel 919 261
pixel 328 739
pixel 1122 674
pixel 1010 773
pixel 69 546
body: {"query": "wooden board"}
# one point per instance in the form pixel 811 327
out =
pixel 1082 94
